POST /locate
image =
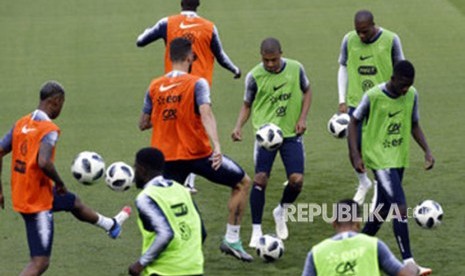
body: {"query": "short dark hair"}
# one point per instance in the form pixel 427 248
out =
pixel 179 49
pixel 270 45
pixel 190 5
pixel 364 16
pixel 347 211
pixel 405 69
pixel 50 89
pixel 151 159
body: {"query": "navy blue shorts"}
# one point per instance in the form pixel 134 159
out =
pixel 229 174
pixel 39 226
pixel 292 154
pixel 389 187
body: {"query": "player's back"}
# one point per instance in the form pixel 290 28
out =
pixel 199 31
pixel 179 130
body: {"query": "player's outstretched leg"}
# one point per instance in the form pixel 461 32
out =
pixel 231 243
pixel 111 225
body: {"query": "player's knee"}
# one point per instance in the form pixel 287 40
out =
pixel 402 210
pixel 296 182
pixel 261 179
pixel 41 264
pixel 77 204
pixel 245 183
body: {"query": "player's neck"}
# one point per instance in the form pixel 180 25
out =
pixel 181 66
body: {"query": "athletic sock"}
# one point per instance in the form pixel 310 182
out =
pixel 400 228
pixel 363 179
pixel 290 194
pixel 257 203
pixel 105 222
pixel 232 233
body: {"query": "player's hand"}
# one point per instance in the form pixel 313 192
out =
pixel 342 108
pixel 135 269
pixel 300 127
pixel 236 135
pixel 429 161
pixel 238 74
pixel 217 159
pixel 358 164
pixel 61 189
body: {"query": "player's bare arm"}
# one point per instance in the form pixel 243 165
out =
pixel 46 165
pixel 354 152
pixel 209 123
pixel 306 103
pixel 420 138
pixel 145 122
pixel 244 115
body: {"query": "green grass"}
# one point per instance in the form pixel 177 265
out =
pixel 89 46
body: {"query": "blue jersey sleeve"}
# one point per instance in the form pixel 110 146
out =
pixel 309 267
pixel 7 141
pixel 154 33
pixel 387 261
pixel 250 89
pixel 154 220
pixel 147 109
pixel 202 92
pixel 220 54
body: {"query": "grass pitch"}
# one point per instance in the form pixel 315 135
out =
pixel 89 46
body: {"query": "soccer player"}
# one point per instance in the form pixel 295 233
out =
pixel 367 254
pixel 206 45
pixel 168 220
pixel 178 108
pixel 32 142
pixel 367 57
pixel 392 109
pixel 276 91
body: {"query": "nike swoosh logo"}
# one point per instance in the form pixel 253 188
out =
pixel 390 115
pixel 164 88
pixel 365 57
pixel 26 130
pixel 188 26
pixel 279 86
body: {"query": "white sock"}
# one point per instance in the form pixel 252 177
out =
pixel 363 179
pixel 104 222
pixel 279 209
pixel 121 217
pixel 190 180
pixel 232 233
pixel 257 228
pixel 409 260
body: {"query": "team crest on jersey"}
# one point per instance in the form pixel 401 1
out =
pixel 367 84
pixel 189 36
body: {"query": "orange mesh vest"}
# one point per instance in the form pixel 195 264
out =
pixel 31 189
pixel 177 129
pixel 199 31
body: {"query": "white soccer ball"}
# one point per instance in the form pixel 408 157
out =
pixel 270 248
pixel 119 176
pixel 269 136
pixel 88 167
pixel 428 214
pixel 337 125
